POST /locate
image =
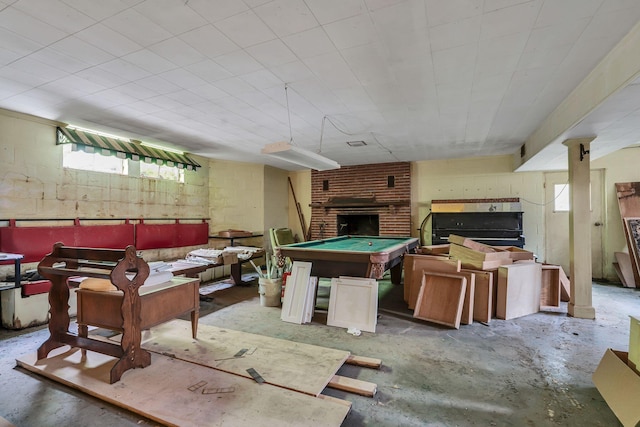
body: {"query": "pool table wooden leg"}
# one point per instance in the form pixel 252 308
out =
pixel 396 273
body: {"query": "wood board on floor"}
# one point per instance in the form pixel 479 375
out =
pixel 441 298
pixel 301 367
pixel 626 269
pixel 175 392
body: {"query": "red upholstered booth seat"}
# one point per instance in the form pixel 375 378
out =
pixel 36 242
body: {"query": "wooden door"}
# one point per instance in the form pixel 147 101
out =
pixel 557 221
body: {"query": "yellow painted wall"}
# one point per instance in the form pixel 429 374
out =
pixel 620 166
pixel 479 178
pixel 276 200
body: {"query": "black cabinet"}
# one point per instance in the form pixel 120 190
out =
pixel 491 228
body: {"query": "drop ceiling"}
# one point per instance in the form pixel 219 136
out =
pixel 413 79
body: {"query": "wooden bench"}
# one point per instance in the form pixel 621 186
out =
pixel 126 310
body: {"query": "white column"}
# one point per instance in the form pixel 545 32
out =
pixel 580 228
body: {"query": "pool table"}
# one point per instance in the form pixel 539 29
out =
pixel 357 256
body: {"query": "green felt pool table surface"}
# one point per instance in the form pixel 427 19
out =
pixel 358 256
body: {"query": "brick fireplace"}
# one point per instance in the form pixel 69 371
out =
pixel 361 200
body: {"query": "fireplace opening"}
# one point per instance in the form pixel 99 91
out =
pixel 358 225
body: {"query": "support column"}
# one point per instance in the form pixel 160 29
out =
pixel 580 304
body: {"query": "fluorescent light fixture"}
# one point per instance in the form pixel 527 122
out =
pixel 299 156
pixel 356 143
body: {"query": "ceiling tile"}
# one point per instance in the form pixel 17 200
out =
pixel 183 78
pixel 271 53
pixel 149 61
pixel 558 12
pixel 510 20
pixel 125 69
pixel 327 11
pixel 332 70
pixel 286 17
pixel 177 51
pixel 367 64
pixel 235 27
pixel 29 27
pixel 439 12
pixel 209 41
pixel 403 16
pixel 158 84
pixel 455 34
pixel 81 50
pixel 233 86
pixel 292 72
pixel 100 10
pixel 309 43
pixel 209 71
pixel 262 79
pixel 175 16
pixel 217 10
pixel 238 62
pixel 56 13
pixel 351 32
pixel 137 27
pixel 454 64
pixel 108 40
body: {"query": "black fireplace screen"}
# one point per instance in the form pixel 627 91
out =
pixel 358 224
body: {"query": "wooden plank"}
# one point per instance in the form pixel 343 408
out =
pixel 550 285
pixel 565 290
pixel 626 269
pixel 353 303
pixel 335 400
pixel 422 263
pixel 169 391
pixel 518 290
pixel 441 298
pixel 367 362
pixel 469 297
pixel 483 295
pixel 301 367
pixel 295 293
pixel 352 385
pixel 407 265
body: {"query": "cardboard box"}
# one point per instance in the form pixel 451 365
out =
pixel 229 258
pixel 619 385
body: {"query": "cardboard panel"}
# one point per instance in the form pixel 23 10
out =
pixel 619 386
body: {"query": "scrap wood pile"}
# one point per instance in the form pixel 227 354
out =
pixel 465 280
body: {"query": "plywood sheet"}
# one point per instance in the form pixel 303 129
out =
pixel 626 269
pixel 518 290
pixel 353 303
pixel 482 295
pixel 174 392
pixel 441 299
pixel 308 368
pixel 550 286
pixel 422 263
pixel 619 387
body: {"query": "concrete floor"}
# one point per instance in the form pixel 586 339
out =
pixel 531 371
